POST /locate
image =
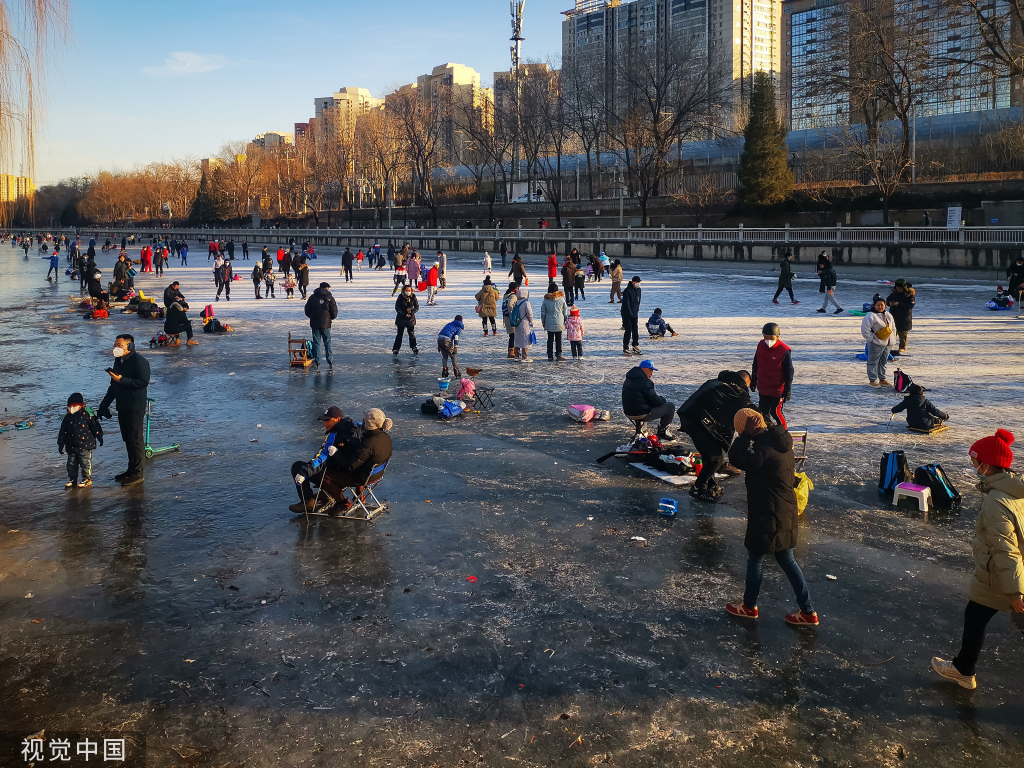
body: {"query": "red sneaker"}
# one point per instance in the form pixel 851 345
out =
pixel 741 610
pixel 802 619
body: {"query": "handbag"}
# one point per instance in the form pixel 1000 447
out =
pixel 478 309
pixel 533 337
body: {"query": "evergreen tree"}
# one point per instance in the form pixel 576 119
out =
pixel 205 208
pixel 764 176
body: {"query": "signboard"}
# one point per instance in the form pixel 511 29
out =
pixel 953 217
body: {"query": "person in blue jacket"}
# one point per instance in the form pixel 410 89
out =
pixel 657 327
pixel 54 266
pixel 448 345
pixel 339 441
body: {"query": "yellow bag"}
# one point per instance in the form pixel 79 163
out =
pixel 803 489
pixel 883 333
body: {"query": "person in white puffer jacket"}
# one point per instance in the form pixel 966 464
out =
pixel 879 330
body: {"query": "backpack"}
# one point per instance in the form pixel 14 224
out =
pixel 451 408
pixel 944 495
pixel 893 471
pixel 429 408
pixel 901 382
pixel 514 317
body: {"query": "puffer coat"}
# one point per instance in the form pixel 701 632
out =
pixel 488 297
pixel 525 327
pixel 768 462
pixel 999 543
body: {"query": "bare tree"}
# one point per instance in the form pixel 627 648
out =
pixel 584 105
pixel 879 158
pixel 421 122
pixel 663 97
pixel 378 146
pixel 1003 49
pixel 704 199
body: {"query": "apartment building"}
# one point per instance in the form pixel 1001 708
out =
pixel 337 114
pixel 13 188
pixel 273 140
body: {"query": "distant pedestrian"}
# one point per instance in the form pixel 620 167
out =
pixel 630 314
pixel 785 278
pixel 827 273
pixel 487 305
pixel 901 306
pixel 771 374
pixel 616 277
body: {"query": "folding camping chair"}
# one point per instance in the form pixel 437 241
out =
pixel 800 448
pixel 639 425
pixel 484 398
pixel 359 503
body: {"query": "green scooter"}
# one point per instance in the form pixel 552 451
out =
pixel 150 450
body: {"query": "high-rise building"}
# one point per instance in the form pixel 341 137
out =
pixel 455 93
pixel 943 45
pixel 740 37
pixel 337 114
pixel 13 188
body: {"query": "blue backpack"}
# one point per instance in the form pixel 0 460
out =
pixel 514 317
pixel 894 470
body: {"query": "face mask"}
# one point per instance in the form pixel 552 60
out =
pixel 771 342
pixel 979 472
pixel 118 352
pixel 74 408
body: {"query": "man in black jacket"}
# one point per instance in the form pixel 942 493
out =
pixel 641 402
pixel 346 264
pixel 630 311
pixel 128 390
pixel 1015 278
pixel 173 295
pixel 322 309
pixel 406 307
pixel 707 417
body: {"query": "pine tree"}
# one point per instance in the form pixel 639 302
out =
pixel 764 176
pixel 205 208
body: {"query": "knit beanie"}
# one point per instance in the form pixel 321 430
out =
pixel 76 399
pixel 747 421
pixel 375 419
pixel 994 450
pixel 574 311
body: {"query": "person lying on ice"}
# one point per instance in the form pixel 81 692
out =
pixel 324 469
pixel 921 414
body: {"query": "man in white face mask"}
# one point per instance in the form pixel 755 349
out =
pixel 772 374
pixel 129 387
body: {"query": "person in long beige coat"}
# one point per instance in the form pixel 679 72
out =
pixel 487 299
pixel 998 582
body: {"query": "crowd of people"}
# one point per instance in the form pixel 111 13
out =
pixel 730 433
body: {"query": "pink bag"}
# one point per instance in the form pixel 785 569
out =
pixel 467 389
pixel 582 412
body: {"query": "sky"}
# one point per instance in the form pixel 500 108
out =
pixel 139 82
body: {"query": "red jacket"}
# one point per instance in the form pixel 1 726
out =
pixel 432 277
pixel 552 267
pixel 772 371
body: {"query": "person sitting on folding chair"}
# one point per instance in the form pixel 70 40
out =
pixel 373 450
pixel 324 469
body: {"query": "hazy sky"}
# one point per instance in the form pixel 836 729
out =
pixel 147 81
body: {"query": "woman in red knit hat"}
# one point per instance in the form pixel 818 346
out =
pixel 998 583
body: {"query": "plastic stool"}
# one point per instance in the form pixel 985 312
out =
pixel 922 493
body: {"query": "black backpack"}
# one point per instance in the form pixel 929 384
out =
pixel 893 471
pixel 944 495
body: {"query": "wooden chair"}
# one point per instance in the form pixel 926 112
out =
pixel 298 352
pixel 800 448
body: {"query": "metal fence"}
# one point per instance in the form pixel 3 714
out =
pixel 835 236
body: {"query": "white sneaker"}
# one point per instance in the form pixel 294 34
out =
pixel 948 671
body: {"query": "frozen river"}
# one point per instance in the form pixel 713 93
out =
pixel 195 610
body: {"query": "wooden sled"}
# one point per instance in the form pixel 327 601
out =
pixel 932 431
pixel 298 355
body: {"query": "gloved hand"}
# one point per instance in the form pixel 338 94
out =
pixel 99 440
pixel 299 479
pixel 60 451
pixel 331 450
pixel 104 413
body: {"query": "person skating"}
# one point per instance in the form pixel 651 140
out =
pixel 574 332
pixel 322 310
pixel 406 307
pixel 828 276
pixel 448 345
pixel 640 401
pixel 901 306
pixel 921 412
pixel 569 281
pixel 79 432
pixel 579 285
pixel 765 454
pixel 341 438
pixel 442 269
pixel 346 265
pixel 257 278
pixel 553 314
pixel 771 374
pixel 707 417
pixel 54 266
pixel 301 269
pixel 552 266
pixel 657 328
pixel 269 280
pixel 998 583
pixel 616 278
pixel 524 328
pixel 517 272
pixel 225 274
pixel 630 313
pixel 879 331
pixel 508 301
pixel 487 305
pixel 785 278
pixel 128 390
pixel 486 264
pixel 433 279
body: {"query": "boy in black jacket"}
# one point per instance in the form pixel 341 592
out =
pixel 921 414
pixel 79 432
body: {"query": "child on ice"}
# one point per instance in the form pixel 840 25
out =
pixel 574 332
pixel 921 414
pixel 79 432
